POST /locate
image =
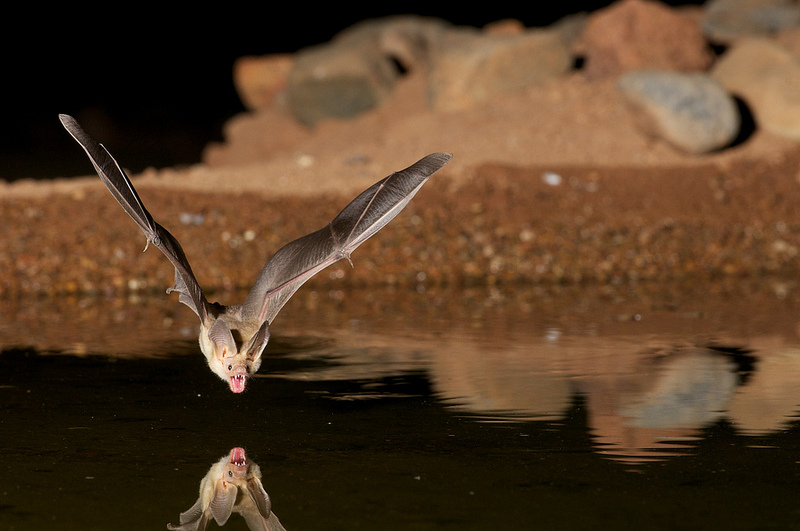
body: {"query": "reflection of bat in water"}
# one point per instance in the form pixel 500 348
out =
pixel 232 485
pixel 232 338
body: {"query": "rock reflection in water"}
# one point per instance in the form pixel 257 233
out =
pixel 650 386
pixel 658 401
pixel 231 485
pixel 647 396
pixel 642 402
pixel 663 401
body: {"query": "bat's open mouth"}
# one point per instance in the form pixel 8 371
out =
pixel 238 457
pixel 237 382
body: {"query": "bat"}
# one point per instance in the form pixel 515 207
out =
pixel 233 338
pixel 231 485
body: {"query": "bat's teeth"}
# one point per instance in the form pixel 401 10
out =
pixel 238 382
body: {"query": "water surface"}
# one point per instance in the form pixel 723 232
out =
pixel 506 408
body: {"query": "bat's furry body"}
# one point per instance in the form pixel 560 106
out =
pixel 231 485
pixel 233 338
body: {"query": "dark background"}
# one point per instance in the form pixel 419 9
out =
pixel 156 81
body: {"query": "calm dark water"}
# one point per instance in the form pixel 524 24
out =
pixel 651 409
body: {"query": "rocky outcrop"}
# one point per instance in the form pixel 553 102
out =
pixel 467 68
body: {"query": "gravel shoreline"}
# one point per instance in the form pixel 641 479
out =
pixel 500 224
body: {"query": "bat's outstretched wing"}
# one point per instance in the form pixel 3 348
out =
pixel 296 262
pixel 193 519
pixel 121 188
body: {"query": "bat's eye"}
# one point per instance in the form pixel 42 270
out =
pixel 230 474
pixel 230 367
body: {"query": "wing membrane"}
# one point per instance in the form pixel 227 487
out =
pixel 123 191
pixel 301 259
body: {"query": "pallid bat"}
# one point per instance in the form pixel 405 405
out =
pixel 233 338
pixel 231 485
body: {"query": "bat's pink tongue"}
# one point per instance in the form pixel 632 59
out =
pixel 238 457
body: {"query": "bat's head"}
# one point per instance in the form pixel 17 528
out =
pixel 233 361
pixel 232 484
pixel 233 467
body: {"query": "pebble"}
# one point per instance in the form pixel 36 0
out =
pixel 551 178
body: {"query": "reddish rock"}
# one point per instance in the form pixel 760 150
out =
pixel 635 34
pixel 505 27
pixel 260 80
pixel 789 40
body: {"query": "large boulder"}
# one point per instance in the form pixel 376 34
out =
pixel 691 111
pixel 767 78
pixel 635 34
pixel 470 66
pixel 357 70
pixel 260 81
pixel 727 20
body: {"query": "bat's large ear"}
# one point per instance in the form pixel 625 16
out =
pixel 222 338
pixel 221 505
pixel 259 496
pixel 257 344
